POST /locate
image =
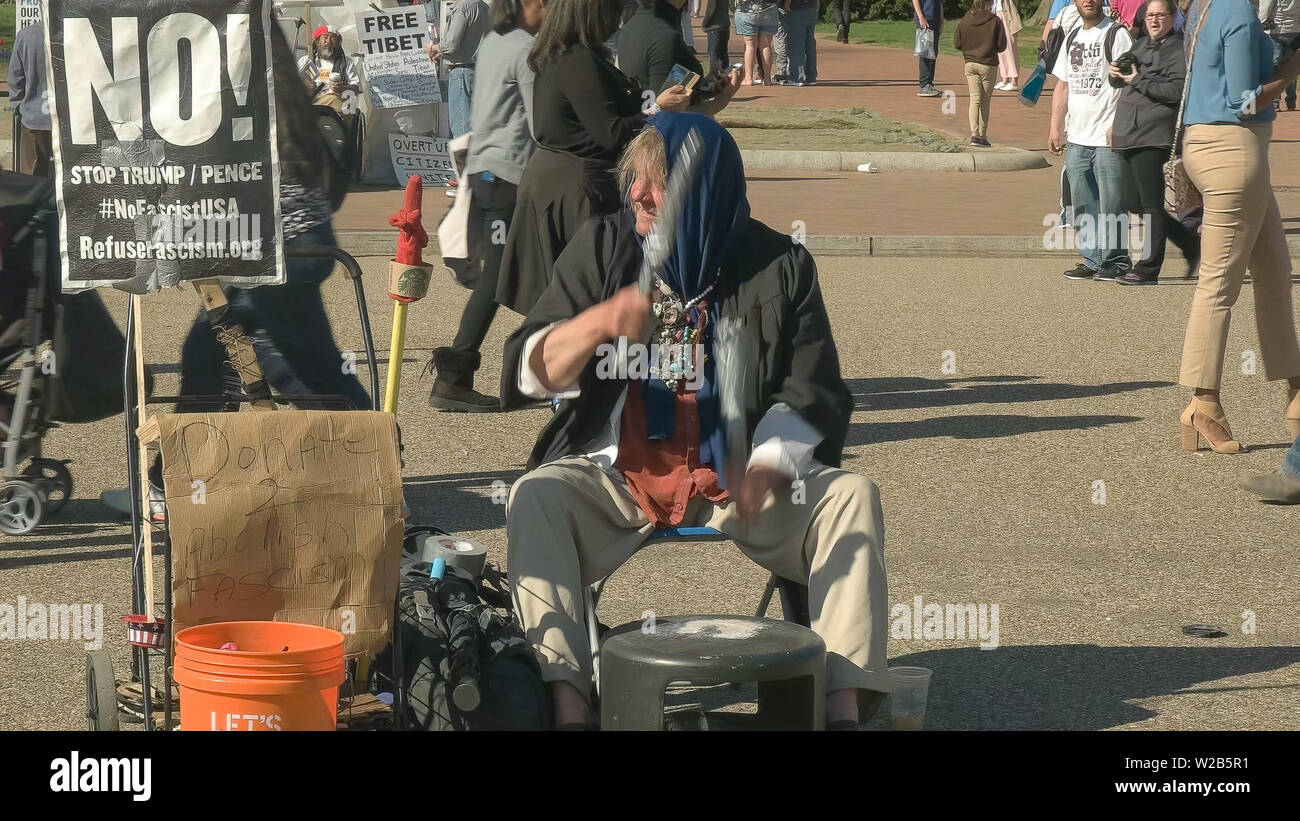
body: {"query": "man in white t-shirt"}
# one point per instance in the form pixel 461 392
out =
pixel 1095 172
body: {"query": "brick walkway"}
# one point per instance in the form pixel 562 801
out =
pixel 913 203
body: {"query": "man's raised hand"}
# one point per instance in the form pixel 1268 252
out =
pixel 627 313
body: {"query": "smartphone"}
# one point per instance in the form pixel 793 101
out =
pixel 682 76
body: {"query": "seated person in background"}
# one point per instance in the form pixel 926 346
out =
pixel 328 72
pixel 650 44
pixel 624 456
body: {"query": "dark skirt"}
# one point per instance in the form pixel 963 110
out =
pixel 557 194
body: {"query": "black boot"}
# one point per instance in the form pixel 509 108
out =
pixel 453 389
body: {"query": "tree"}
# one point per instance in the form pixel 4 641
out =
pixel 1039 17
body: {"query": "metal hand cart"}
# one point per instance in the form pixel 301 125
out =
pixel 150 635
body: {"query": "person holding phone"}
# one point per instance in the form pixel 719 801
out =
pixel 584 112
pixel 651 47
pixel 1142 132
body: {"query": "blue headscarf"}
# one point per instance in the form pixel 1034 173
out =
pixel 712 223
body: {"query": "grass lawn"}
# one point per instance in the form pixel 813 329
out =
pixel 829 129
pixel 8 12
pixel 902 34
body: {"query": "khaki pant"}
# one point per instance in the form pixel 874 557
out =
pixel 979 81
pixel 569 524
pixel 1242 228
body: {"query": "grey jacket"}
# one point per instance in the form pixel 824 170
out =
pixel 1147 108
pixel 27 84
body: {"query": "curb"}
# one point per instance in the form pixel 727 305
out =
pixel 1007 159
pixel 381 243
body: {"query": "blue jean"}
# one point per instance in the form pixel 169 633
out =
pixel 460 99
pixel 293 316
pixel 926 64
pixel 1097 195
pixel 800 44
pixel 1292 463
pixel 1280 53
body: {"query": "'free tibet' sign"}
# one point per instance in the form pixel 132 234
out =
pixel 164 141
pixel 398 72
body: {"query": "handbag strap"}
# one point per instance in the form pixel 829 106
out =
pixel 1187 80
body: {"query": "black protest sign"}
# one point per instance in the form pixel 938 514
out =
pixel 164 138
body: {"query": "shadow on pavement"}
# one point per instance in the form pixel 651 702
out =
pixel 1073 686
pixel 978 426
pixel 897 393
pixel 460 501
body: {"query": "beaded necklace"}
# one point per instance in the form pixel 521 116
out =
pixel 675 337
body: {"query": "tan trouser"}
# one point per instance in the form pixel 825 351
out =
pixel 1242 228
pixel 979 81
pixel 570 524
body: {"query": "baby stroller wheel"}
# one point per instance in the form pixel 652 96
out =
pixel 53 479
pixel 21 507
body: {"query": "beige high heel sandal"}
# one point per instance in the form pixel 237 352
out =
pixel 1207 413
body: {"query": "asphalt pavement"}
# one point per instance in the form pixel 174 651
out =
pixel 1022 429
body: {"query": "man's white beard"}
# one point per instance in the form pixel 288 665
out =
pixel 327 52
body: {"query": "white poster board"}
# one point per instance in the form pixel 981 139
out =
pixel 398 73
pixel 425 157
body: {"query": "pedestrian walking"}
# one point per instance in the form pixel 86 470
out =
pixel 980 37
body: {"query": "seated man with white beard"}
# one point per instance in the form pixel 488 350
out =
pixel 627 453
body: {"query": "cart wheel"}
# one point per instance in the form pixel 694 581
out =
pixel 54 478
pixel 21 507
pixel 101 692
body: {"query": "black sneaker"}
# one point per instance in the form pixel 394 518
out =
pixel 1080 271
pixel 929 90
pixel 1109 273
pixel 1137 278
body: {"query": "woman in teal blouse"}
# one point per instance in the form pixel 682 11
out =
pixel 1228 122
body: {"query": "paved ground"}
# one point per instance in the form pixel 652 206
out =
pixel 989 479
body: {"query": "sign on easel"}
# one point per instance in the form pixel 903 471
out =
pixel 398 72
pixel 164 141
pixel 425 157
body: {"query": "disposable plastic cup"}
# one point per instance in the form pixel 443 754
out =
pixel 907 704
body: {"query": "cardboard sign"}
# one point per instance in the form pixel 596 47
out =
pixel 164 141
pixel 426 157
pixel 29 13
pixel 398 72
pixel 284 516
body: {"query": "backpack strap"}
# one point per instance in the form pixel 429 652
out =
pixel 1109 48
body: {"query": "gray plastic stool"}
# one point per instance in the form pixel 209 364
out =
pixel 787 661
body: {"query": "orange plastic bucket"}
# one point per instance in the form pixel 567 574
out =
pixel 284 676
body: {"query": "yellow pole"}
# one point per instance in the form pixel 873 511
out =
pixel 395 346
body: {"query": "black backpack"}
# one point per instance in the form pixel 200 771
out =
pixel 456 642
